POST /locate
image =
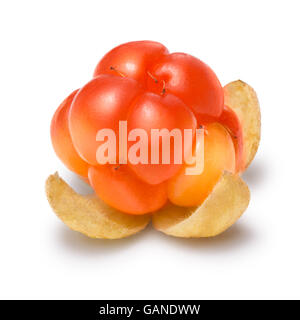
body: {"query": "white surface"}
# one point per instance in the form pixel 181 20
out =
pixel 49 49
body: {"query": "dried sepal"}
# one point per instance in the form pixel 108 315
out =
pixel 240 97
pixel 88 214
pixel 226 203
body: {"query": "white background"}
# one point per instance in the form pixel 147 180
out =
pixel 50 48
